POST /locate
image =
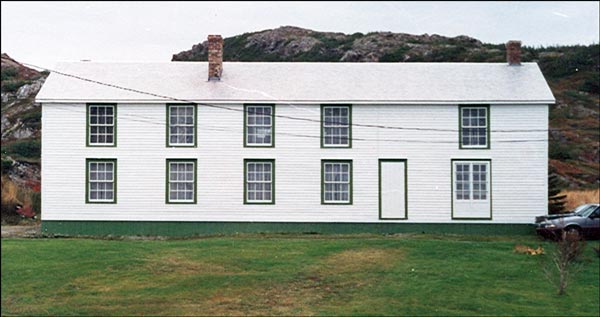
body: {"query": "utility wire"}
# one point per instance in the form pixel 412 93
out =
pixel 219 129
pixel 284 116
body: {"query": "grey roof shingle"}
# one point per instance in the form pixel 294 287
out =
pixel 393 83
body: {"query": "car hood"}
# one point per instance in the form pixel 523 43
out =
pixel 552 217
pixel 565 219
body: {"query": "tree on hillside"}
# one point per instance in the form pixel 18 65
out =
pixel 556 202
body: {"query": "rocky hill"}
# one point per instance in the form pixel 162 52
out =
pixel 21 122
pixel 573 73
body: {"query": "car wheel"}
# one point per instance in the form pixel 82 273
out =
pixel 574 231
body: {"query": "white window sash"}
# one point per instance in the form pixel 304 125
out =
pixel 100 125
pixel 182 125
pixel 103 181
pixel 470 181
pixel 328 123
pixel 469 126
pixel 255 181
pixel 338 182
pixel 251 112
pixel 184 181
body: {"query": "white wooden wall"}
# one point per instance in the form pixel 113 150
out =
pixel 519 170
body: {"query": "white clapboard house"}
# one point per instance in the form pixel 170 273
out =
pixel 169 148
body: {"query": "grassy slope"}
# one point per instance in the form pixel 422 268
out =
pixel 288 275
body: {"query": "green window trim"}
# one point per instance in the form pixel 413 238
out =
pixel 350 187
pixel 405 187
pixel 488 116
pixel 452 188
pixel 323 145
pixel 88 126
pixel 246 144
pixel 87 180
pixel 245 193
pixel 167 181
pixel 168 125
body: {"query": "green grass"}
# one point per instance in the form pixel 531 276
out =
pixel 289 275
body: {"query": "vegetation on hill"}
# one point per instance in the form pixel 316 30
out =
pixel 573 73
pixel 21 131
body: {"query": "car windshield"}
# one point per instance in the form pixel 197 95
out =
pixel 580 208
pixel 586 212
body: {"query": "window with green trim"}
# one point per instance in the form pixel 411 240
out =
pixel 181 125
pixel 336 129
pixel 474 123
pixel 259 125
pixel 337 182
pixel 181 181
pixel 259 181
pixel 101 125
pixel 101 176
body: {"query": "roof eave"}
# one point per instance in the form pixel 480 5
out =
pixel 358 102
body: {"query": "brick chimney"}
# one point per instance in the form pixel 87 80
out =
pixel 215 57
pixel 513 53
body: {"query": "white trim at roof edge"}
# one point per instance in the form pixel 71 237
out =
pixel 283 102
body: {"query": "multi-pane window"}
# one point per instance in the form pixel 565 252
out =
pixel 101 125
pixel 101 186
pixel 471 180
pixel 259 125
pixel 336 126
pixel 474 123
pixel 259 181
pixel 181 126
pixel 337 182
pixel 181 184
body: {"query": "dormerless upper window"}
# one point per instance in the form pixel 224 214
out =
pixel 259 182
pixel 101 125
pixel 336 126
pixel 337 182
pixel 472 181
pixel 259 125
pixel 181 181
pixel 101 185
pixel 181 126
pixel 474 127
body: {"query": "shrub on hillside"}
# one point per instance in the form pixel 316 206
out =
pixel 6 165
pixel 562 152
pixel 8 73
pixel 12 85
pixel 24 148
pixel 13 195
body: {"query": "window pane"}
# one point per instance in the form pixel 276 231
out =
pixel 474 126
pixel 181 125
pixel 258 125
pixel 259 184
pixel 336 182
pixel 335 125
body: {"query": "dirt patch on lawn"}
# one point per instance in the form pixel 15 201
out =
pixel 178 263
pixel 361 260
pixel 320 283
pixel 22 231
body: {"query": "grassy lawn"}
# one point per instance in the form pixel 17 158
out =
pixel 289 275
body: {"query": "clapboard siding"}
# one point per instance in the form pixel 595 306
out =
pixel 519 174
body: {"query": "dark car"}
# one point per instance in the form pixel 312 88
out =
pixel 584 220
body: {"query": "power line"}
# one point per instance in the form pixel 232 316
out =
pixel 213 128
pixel 286 116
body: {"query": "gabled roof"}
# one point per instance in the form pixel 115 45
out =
pixel 382 83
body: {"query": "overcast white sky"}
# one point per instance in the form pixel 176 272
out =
pixel 44 33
